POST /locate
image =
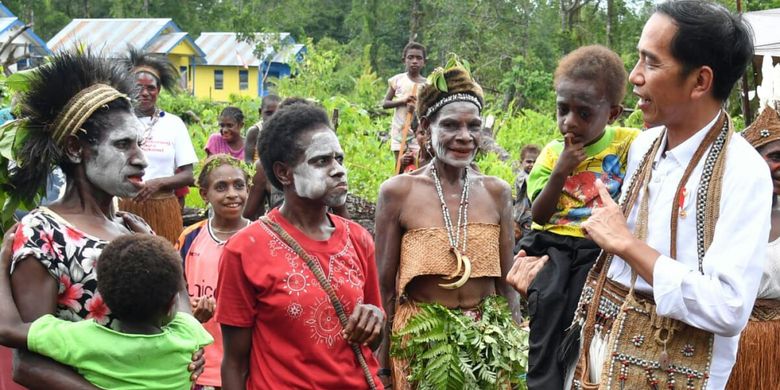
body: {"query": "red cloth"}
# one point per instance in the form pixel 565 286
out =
pixel 296 335
pixel 6 373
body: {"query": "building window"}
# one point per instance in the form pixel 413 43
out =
pixel 243 79
pixel 218 79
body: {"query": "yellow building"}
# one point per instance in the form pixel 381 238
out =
pixel 112 37
pixel 233 68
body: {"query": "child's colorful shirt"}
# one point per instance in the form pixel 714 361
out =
pixel 606 159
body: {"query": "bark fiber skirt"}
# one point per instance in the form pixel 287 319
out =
pixel 758 357
pixel 163 214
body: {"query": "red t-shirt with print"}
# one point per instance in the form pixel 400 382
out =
pixel 296 334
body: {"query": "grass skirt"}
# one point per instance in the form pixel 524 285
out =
pixel 758 357
pixel 162 214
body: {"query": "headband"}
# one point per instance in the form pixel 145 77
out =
pixel 147 69
pixel 765 129
pixel 80 107
pixel 458 97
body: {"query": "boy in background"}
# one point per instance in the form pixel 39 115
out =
pixel 139 277
pixel 268 107
pixel 590 83
pixel 521 205
pixel 399 96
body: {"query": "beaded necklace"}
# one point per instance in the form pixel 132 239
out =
pixel 148 131
pixel 454 234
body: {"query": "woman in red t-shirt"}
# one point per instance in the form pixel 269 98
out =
pixel 280 330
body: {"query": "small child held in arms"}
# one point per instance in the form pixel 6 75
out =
pixel 399 96
pixel 229 139
pixel 139 277
pixel 590 84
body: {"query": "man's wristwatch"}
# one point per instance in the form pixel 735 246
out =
pixel 384 372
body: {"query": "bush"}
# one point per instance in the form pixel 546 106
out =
pixel 324 76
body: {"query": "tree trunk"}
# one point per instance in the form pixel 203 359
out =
pixel 86 8
pixel 415 20
pixel 610 20
pixel 146 8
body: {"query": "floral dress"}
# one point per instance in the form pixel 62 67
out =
pixel 70 256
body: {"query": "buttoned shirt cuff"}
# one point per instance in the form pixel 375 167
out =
pixel 668 276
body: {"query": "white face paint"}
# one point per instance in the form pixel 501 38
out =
pixel 116 165
pixel 321 175
pixel 455 133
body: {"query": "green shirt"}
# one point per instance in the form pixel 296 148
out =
pixel 112 360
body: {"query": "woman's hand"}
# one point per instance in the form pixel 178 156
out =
pixel 203 308
pixel 150 187
pixel 524 271
pixel 135 223
pixel 197 365
pixel 364 325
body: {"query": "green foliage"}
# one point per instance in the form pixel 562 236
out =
pixel 207 112
pixel 447 349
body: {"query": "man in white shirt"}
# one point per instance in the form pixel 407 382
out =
pixel 691 53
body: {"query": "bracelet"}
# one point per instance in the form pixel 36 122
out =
pixel 384 372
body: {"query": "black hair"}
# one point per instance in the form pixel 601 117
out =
pixel 138 275
pixel 168 75
pixel 531 148
pixel 271 98
pixel 709 34
pixel 51 87
pixel 234 113
pixel 278 142
pixel 295 100
pixel 415 45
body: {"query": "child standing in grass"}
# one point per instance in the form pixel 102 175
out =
pixel 590 83
pixel 139 277
pixel 399 96
pixel 223 185
pixel 229 139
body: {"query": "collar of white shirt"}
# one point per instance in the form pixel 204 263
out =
pixel 683 153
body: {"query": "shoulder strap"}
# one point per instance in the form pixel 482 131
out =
pixel 316 269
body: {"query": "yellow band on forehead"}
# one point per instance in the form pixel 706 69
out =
pixel 147 69
pixel 80 107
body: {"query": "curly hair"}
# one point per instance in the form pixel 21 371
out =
pixel 50 88
pixel 217 160
pixel 138 276
pixel 597 63
pixel 168 75
pixel 234 113
pixel 278 142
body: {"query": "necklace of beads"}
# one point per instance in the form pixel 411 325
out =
pixel 454 234
pixel 153 121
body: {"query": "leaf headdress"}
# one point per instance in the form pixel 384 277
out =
pixel 447 85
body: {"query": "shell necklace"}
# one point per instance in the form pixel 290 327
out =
pixel 453 233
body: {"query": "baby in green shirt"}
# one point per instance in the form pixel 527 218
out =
pixel 139 277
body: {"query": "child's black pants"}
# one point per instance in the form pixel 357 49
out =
pixel 552 300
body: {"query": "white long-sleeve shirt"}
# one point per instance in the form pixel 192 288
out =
pixel 720 300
